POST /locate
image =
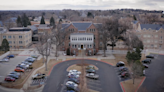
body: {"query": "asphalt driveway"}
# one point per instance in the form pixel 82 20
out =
pixel 108 80
pixel 154 76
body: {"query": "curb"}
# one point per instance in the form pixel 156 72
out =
pixel 140 84
pixel 76 59
pixel 122 87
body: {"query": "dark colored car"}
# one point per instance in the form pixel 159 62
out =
pixel 147 60
pixel 10 56
pixel 74 80
pixel 71 87
pixel 150 56
pixel 120 63
pixel 35 56
pixel 145 65
pixel 16 73
pixel 122 69
pixel 9 79
pixel 91 71
pixel 14 76
pixel 125 74
pixel 30 60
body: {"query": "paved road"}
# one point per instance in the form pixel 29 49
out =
pixel 154 76
pixel 108 77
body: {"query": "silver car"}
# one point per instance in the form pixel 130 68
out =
pixel 4 60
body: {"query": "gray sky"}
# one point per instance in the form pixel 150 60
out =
pixel 80 4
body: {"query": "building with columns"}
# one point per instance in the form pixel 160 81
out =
pixel 81 36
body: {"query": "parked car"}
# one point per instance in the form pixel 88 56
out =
pixel 4 60
pixel 125 74
pixel 14 76
pixel 71 83
pixel 147 60
pixel 15 73
pixel 21 66
pixel 145 65
pixel 92 76
pixel 27 63
pixel 122 69
pixel 10 56
pixel 90 67
pixel 150 56
pixel 74 76
pixel 70 90
pixel 120 63
pixel 91 71
pixel 75 71
pixel 31 60
pixel 38 76
pixel 74 80
pixel 35 56
pixel 71 87
pixel 19 70
pixel 10 79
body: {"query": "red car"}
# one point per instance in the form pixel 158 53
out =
pixel 9 79
pixel 125 74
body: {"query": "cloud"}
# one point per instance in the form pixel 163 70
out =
pixel 81 4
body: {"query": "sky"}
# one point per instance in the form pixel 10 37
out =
pixel 80 4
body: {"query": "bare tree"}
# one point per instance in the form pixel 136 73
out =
pixel 58 37
pixel 117 29
pixel 44 47
pixel 136 70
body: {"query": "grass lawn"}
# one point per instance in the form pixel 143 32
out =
pixel 2 52
pixel 49 65
pixel 129 86
pixel 20 82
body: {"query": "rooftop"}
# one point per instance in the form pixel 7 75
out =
pixel 82 34
pixel 152 26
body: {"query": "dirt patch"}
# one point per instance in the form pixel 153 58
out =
pixel 90 90
pixel 49 65
pixel 129 86
pixel 20 82
pixel 2 52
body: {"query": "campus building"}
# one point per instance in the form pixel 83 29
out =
pixel 152 35
pixel 81 36
pixel 18 37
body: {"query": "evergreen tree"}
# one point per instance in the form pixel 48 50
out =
pixel 60 20
pixel 33 17
pixel 24 20
pixel 134 17
pixel 5 45
pixel 52 21
pixel 90 15
pixel 19 22
pixel 42 20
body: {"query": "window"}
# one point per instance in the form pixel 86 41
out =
pixel 9 36
pixel 90 46
pixel 20 42
pixel 10 42
pixel 148 41
pixel 4 37
pixel 101 44
pixel 14 42
pixel 161 37
pixel 20 36
pixel 155 45
pixel 10 46
pixel 13 36
pixel 72 45
pixel 69 44
pixel 79 46
pixel 69 37
pixel 156 36
pixel 75 45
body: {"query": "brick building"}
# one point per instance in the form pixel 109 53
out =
pixel 152 35
pixel 81 35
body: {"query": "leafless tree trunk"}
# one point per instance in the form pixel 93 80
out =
pixel 44 47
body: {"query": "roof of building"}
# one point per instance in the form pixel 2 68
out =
pixel 135 22
pixel 81 26
pixel 3 30
pixel 152 26
pixel 19 29
pixel 33 28
pixel 82 34
pixel 13 19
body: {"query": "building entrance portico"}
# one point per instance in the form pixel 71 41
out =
pixel 81 46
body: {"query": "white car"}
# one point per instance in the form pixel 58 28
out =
pixel 27 66
pixel 27 63
pixel 71 83
pixel 4 60
pixel 75 71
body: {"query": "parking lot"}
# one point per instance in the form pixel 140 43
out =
pixel 7 67
pixel 154 75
